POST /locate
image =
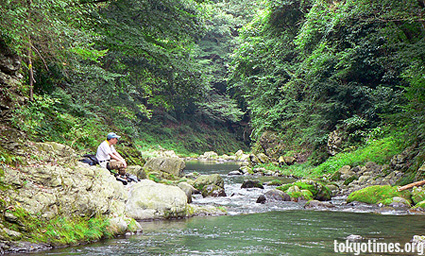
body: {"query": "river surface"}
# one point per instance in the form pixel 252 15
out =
pixel 284 228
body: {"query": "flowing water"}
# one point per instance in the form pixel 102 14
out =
pixel 284 228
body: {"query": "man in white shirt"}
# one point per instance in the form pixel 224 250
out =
pixel 108 157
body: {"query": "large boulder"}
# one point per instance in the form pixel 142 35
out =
pixel 318 190
pixel 205 180
pixel 277 195
pixel 263 158
pixel 271 144
pixel 188 189
pixel 213 191
pixel 172 166
pixel 252 184
pixel 49 190
pixel 149 200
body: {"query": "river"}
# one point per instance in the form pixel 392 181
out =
pixel 264 229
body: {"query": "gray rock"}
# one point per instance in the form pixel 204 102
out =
pixel 235 173
pixel 316 204
pixel 252 184
pixel 277 195
pixel 263 158
pixel 213 191
pixel 204 180
pixel 188 189
pixel 173 166
pixel 399 202
pixel 150 200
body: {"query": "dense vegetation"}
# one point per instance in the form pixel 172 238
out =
pixel 195 75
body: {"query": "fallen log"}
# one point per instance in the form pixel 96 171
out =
pixel 411 185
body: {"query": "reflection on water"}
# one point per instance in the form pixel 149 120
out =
pixel 254 229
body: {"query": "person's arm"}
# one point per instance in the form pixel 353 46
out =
pixel 118 157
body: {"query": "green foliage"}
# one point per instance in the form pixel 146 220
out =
pixel 378 194
pixel 59 231
pixel 308 67
pixel 379 151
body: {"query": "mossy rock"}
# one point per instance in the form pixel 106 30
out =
pixel 319 190
pixel 205 180
pixel 418 195
pixel 275 183
pixel 300 195
pixel 350 179
pixel 307 195
pixel 336 176
pixel 285 187
pixel 420 206
pixel 213 191
pixel 378 194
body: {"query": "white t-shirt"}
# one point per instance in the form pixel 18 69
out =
pixel 104 150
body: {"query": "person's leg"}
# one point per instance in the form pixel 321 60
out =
pixel 117 165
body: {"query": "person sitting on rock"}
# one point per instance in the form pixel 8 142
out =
pixel 108 157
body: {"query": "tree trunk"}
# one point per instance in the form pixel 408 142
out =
pixel 31 71
pixel 411 185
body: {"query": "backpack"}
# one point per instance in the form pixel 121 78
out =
pixel 90 159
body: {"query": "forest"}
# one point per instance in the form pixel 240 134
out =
pixel 198 75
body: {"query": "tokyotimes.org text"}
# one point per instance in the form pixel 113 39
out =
pixel 374 246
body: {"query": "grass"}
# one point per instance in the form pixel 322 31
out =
pixel 60 230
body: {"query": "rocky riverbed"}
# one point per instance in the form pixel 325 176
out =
pixel 55 183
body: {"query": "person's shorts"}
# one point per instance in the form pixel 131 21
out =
pixel 116 165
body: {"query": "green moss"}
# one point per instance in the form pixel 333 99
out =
pixel 336 176
pixel 307 194
pixel 350 179
pixel 58 231
pixel 153 177
pixel 420 206
pixel 418 195
pixel 285 187
pixel 295 194
pixel 275 183
pixel 306 186
pixel 377 194
pixel 132 225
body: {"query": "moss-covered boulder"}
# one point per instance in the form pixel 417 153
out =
pixel 319 190
pixel 299 190
pixel 213 191
pixel 204 180
pixel 378 194
pixel 252 184
pixel 299 194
